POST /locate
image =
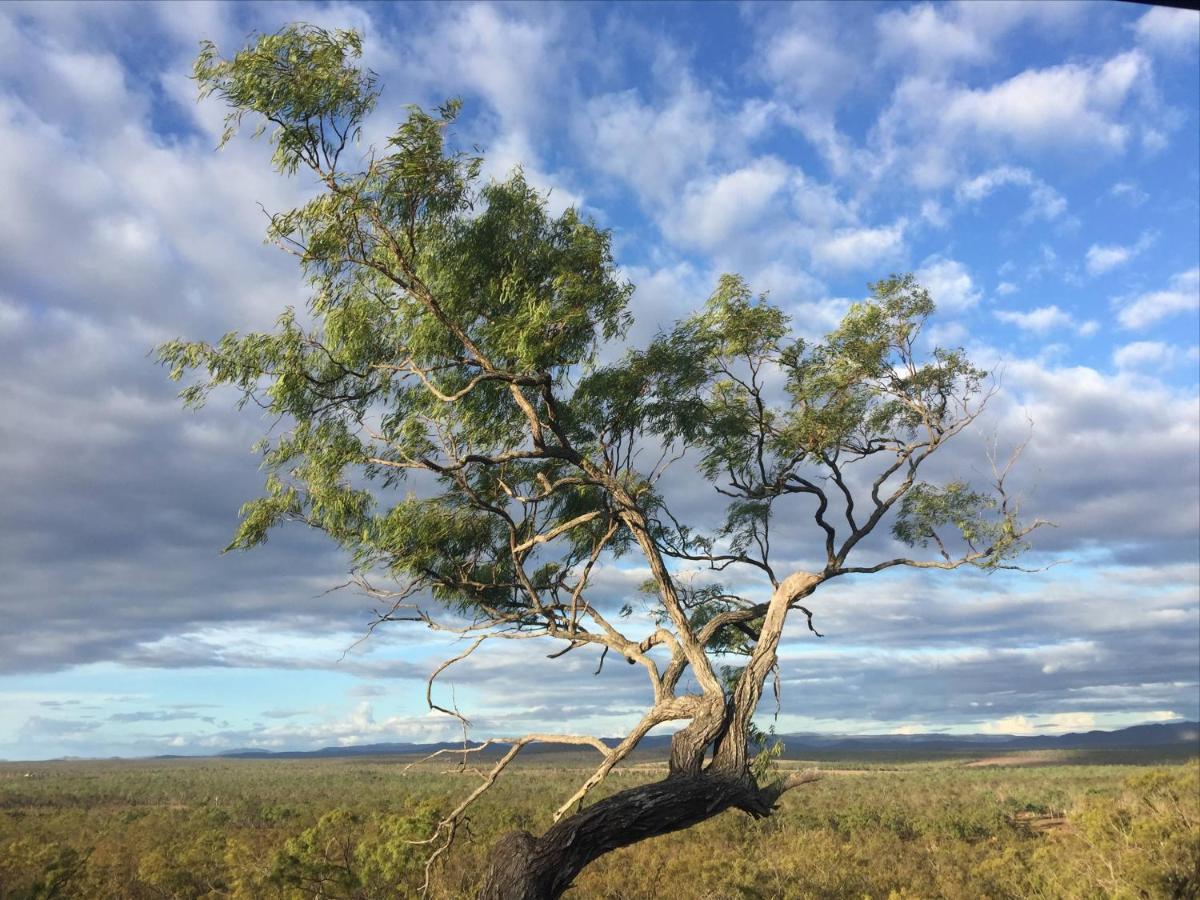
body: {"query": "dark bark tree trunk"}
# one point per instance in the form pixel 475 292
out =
pixel 524 867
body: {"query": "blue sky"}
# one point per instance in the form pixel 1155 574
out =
pixel 1037 165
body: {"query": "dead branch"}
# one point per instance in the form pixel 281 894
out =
pixel 448 826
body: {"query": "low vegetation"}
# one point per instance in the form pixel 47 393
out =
pixel 876 826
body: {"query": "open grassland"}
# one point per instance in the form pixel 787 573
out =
pixel 1058 824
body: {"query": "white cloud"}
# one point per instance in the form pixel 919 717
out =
pixel 1130 192
pixel 786 283
pixel 1069 656
pixel 923 36
pixel 1102 258
pixel 504 57
pixel 1153 139
pixel 655 149
pixel 817 204
pixel 713 209
pixel 933 124
pixel 939 36
pixel 1044 201
pixel 860 248
pixel 511 61
pixel 1005 288
pixel 933 213
pixel 1045 319
pixel 1183 295
pixel 1008 725
pixel 1040 320
pixel 661 297
pixel 1169 31
pixel 1162 715
pixel 1076 721
pixel 949 284
pixel 804 60
pixel 814 319
pixel 838 151
pixel 996 19
pixel 1147 354
pixel 1090 427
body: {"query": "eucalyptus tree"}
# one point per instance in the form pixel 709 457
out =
pixel 450 424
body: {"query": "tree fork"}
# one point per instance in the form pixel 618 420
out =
pixel 731 749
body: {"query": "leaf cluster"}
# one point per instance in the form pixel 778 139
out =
pixel 440 410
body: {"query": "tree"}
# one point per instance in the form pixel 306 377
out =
pixel 452 351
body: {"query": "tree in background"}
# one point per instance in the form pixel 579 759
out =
pixel 452 428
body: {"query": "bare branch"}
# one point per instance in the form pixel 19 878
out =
pixel 448 826
pixel 443 667
pixel 612 757
pixel 796 779
pixel 558 530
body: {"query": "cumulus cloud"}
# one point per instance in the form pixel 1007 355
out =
pixel 1102 258
pixel 358 725
pixel 1175 32
pixel 685 156
pixel 1089 427
pixel 1072 103
pixel 934 40
pixel 1144 310
pixel 1151 355
pixel 953 652
pixel 860 248
pixel 949 284
pixel 934 126
pixel 109 487
pixel 1009 725
pixel 1044 202
pixel 662 295
pixel 804 56
pixel 1045 319
pixel 654 149
pixel 938 37
pixel 714 209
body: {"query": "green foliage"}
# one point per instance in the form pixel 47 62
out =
pixel 33 870
pixel 1141 842
pixel 300 80
pixel 343 856
pixel 875 826
pixel 928 509
pixel 769 749
pixel 452 331
pixel 420 279
pixel 862 391
pixel 864 386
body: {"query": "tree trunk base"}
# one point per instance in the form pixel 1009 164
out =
pixel 524 867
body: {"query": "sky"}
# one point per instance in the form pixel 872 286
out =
pixel 1036 165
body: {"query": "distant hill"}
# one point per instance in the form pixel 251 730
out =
pixel 1172 735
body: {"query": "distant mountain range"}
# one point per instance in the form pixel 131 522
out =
pixel 1172 735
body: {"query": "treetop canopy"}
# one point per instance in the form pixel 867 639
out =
pixel 456 331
